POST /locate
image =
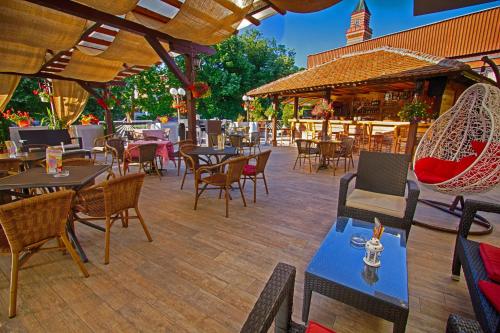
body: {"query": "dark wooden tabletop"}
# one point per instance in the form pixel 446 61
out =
pixel 37 177
pixel 211 151
pixel 40 155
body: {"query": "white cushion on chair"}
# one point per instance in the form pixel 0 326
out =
pixel 392 205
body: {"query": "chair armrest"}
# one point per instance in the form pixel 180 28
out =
pixel 344 186
pixel 412 199
pixel 275 301
pixel 209 168
pixel 79 139
pixel 458 324
pixel 470 209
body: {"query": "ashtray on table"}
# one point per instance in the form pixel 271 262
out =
pixel 63 173
pixel 358 240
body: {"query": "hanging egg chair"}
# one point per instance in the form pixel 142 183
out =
pixel 460 153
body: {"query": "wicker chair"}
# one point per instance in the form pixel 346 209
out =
pixel 220 179
pixel 192 163
pixel 177 154
pixel 381 193
pixel 99 146
pixel 146 158
pixel 27 225
pixel 253 143
pixel 275 303
pixel 252 171
pixel 327 154
pixel 467 255
pixel 212 139
pixel 236 141
pixel 111 201
pixel 345 152
pixel 117 148
pixel 306 150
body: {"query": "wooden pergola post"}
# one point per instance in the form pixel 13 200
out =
pixel 276 106
pixel 324 127
pixel 190 103
pixel 295 116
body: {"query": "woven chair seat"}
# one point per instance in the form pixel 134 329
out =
pixel 218 179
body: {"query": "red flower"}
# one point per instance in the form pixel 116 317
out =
pixel 35 92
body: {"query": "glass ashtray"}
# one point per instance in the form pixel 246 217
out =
pixel 63 173
pixel 358 240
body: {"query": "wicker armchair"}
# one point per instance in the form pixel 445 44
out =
pixel 222 176
pixel 192 163
pixel 306 149
pixel 117 148
pixel 236 141
pixel 467 255
pixel 212 140
pixel 327 154
pixel 252 143
pixel 253 171
pixel 275 303
pixel 381 193
pixel 345 152
pixel 177 154
pixel 99 146
pixel 111 201
pixel 146 158
pixel 27 225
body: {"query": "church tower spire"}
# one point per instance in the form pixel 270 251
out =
pixel 359 30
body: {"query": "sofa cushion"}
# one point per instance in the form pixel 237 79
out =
pixel 491 291
pixel 314 327
pixel 491 259
pixel 391 205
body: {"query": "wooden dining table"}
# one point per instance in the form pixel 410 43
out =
pixel 77 178
pixel 28 159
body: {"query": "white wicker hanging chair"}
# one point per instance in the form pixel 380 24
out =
pixel 457 138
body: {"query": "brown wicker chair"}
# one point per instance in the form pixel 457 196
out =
pixel 212 139
pixel 306 150
pixel 99 146
pixel 253 171
pixel 236 141
pixel 192 163
pixel 117 148
pixel 146 158
pixel 327 154
pixel 220 179
pixel 177 154
pixel 110 201
pixel 27 225
pixel 345 152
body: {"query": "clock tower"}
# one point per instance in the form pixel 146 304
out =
pixel 359 29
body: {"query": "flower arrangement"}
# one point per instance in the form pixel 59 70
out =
pixel 89 119
pixel 162 119
pixel 322 109
pixel 43 92
pixel 20 118
pixel 108 100
pixel 416 111
pixel 200 90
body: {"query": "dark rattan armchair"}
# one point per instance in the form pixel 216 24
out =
pixel 305 150
pixel 146 159
pixel 380 191
pixel 117 148
pixel 467 256
pixel 275 303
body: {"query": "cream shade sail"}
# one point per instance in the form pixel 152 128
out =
pixel 207 22
pixel 37 26
pixel 8 84
pixel 69 100
pixel 115 7
pixel 89 68
pixel 20 58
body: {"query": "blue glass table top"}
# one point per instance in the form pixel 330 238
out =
pixel 339 261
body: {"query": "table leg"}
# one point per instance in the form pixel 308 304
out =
pixel 400 326
pixel 306 302
pixel 70 229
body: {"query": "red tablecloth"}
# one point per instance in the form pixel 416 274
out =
pixel 164 149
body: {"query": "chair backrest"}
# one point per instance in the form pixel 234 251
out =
pixel 346 146
pixel 117 146
pixel 151 138
pixel 236 140
pixel 212 139
pixel 192 162
pixel 255 138
pixel 10 164
pixel 122 192
pixel 32 220
pixel 382 172
pixel 77 161
pixel 235 168
pixel 147 152
pixel 262 159
pixel 327 149
pixel 304 146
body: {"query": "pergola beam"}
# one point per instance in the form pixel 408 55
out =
pixel 276 8
pixel 85 12
pixel 58 77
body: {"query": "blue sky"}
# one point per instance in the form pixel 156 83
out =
pixel 324 30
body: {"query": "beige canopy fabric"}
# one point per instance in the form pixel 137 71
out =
pixel 37 26
pixel 69 100
pixel 8 84
pixel 115 7
pixel 89 68
pixel 304 6
pixel 20 58
pixel 207 22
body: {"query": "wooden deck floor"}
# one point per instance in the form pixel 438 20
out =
pixel 203 272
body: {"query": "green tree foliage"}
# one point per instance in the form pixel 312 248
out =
pixel 24 99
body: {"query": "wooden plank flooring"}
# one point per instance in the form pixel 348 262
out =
pixel 203 272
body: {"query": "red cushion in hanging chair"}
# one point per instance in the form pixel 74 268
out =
pixel 478 146
pixel 431 170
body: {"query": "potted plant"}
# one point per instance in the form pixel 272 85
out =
pixel 20 118
pixel 89 119
pixel 323 110
pixel 414 112
pixel 43 92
